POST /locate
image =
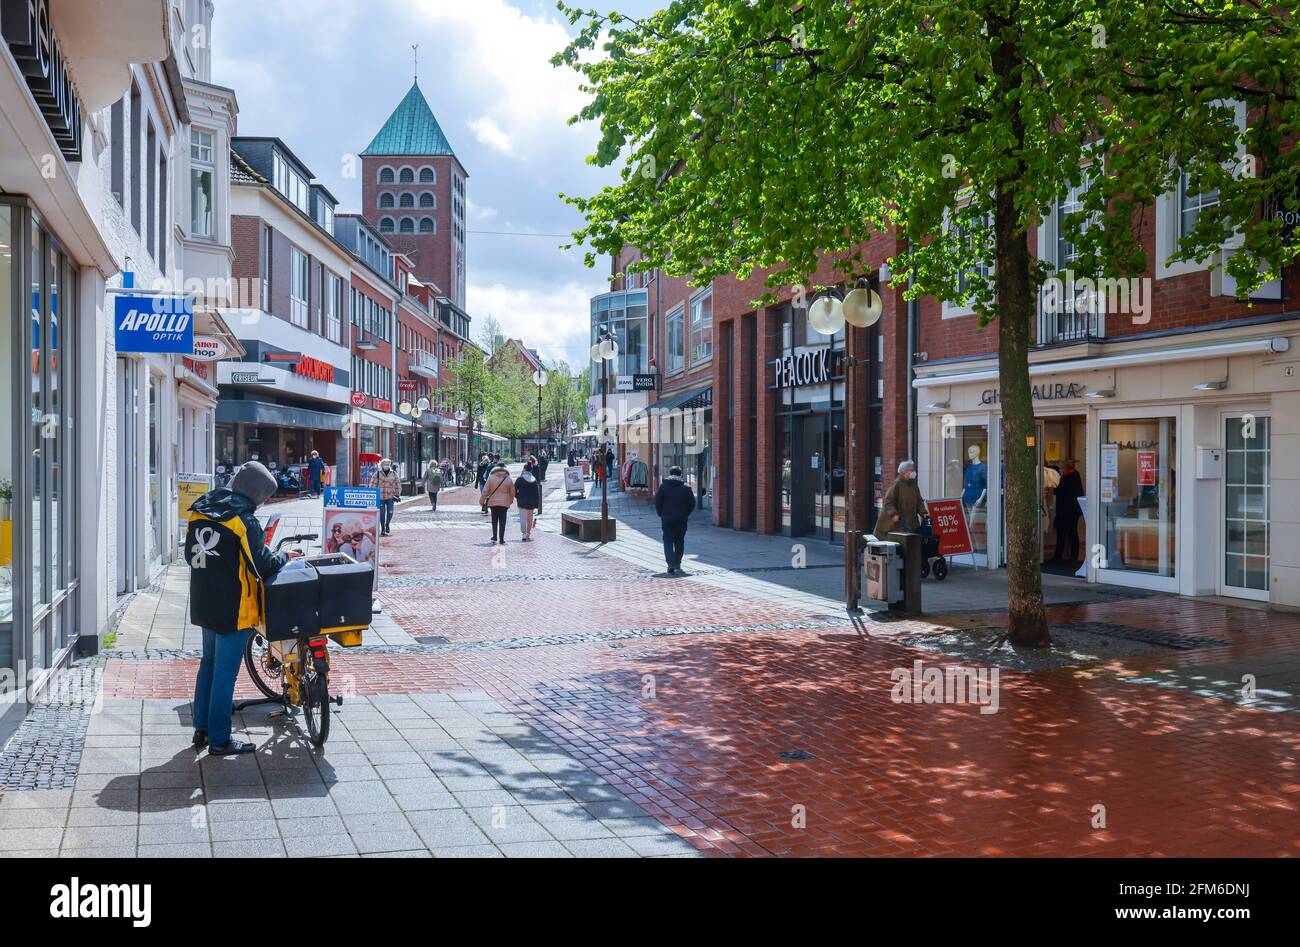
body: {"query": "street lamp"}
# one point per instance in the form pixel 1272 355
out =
pixel 604 351
pixel 539 379
pixel 860 308
pixel 415 412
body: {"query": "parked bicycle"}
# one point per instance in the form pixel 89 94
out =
pixel 294 672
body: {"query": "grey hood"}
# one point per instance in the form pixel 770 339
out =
pixel 254 481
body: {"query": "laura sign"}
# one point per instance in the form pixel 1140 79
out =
pixel 155 324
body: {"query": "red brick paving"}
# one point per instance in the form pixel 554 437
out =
pixel 1178 774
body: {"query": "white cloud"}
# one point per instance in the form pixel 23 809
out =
pixel 554 320
pixel 488 132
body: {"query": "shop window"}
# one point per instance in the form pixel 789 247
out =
pixel 966 475
pixel 1138 494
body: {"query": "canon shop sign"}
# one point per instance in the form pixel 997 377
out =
pixel 27 32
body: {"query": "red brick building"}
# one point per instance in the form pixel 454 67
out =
pixel 413 192
pixel 1178 403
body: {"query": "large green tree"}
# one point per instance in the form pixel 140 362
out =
pixel 773 135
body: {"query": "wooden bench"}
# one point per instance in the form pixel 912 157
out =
pixel 586 526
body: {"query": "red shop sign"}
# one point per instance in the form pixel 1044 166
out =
pixel 1146 468
pixel 382 404
pixel 948 517
pixel 358 399
pixel 314 368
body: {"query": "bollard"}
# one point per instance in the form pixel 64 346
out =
pixel 910 544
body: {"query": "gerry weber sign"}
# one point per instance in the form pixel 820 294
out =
pixel 807 367
pixel 1052 391
pixel 35 48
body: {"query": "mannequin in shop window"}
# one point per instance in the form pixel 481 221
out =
pixel 975 484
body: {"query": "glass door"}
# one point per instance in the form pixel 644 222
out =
pixel 1246 460
pixel 1002 489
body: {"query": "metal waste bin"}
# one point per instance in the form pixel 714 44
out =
pixel 882 566
pixel 892 572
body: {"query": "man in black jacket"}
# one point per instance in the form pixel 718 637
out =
pixel 1068 512
pixel 228 562
pixel 674 503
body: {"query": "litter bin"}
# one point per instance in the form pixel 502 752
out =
pixel 892 572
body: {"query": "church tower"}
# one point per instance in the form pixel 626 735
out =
pixel 413 192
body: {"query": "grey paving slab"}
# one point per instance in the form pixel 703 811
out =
pixel 99 851
pixel 32 853
pixel 32 818
pixel 300 807
pixel 240 810
pixel 466 851
pixel 244 831
pixel 95 817
pixel 414 802
pixel 175 851
pixel 100 835
pixel 183 833
pixel 29 838
pixel 540 848
pixel 446 828
pixel 660 845
pixel 317 846
pixel 600 848
pixel 250 848
pixel 631 828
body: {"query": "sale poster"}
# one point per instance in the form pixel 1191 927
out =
pixel 948 519
pixel 1146 472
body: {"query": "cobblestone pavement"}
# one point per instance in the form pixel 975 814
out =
pixel 555 698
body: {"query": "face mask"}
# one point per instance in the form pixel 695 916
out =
pixel 386 468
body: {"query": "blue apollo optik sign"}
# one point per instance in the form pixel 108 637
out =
pixel 155 324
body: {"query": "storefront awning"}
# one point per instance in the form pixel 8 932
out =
pixel 689 400
pixel 276 415
pixel 371 418
pixel 491 437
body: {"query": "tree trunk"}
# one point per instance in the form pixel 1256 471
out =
pixel 1027 619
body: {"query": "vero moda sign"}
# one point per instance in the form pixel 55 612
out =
pixel 155 324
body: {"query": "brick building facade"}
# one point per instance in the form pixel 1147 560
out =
pixel 1177 402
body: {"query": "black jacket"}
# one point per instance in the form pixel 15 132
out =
pixel 228 562
pixel 528 496
pixel 1068 492
pixel 542 464
pixel 481 477
pixel 674 500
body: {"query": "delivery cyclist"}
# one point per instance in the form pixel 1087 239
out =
pixel 228 563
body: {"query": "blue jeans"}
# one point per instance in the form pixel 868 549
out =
pixel 386 513
pixel 674 542
pixel 214 690
pixel 315 486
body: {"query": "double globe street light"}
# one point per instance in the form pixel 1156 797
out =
pixel 861 307
pixel 415 412
pixel 604 351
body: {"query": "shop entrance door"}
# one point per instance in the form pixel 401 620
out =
pixel 1244 563
pixel 1063 440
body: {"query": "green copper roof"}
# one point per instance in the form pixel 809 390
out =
pixel 410 130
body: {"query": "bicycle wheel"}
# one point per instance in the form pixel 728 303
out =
pixel 316 707
pixel 267 672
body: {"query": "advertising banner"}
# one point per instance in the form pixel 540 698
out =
pixel 189 487
pixel 948 518
pixel 351 524
pixel 573 481
pixel 1146 468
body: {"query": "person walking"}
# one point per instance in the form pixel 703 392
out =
pixel 498 495
pixel 229 562
pixel 390 488
pixel 480 478
pixel 528 496
pixel 316 473
pixel 674 502
pixel 1068 512
pixel 433 482
pixel 902 506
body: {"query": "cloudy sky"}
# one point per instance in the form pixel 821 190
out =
pixel 324 75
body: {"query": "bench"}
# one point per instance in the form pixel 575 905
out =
pixel 586 526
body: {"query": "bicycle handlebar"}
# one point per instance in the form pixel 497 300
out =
pixel 302 538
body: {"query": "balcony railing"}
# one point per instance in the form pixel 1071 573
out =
pixel 1070 316
pixel 424 364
